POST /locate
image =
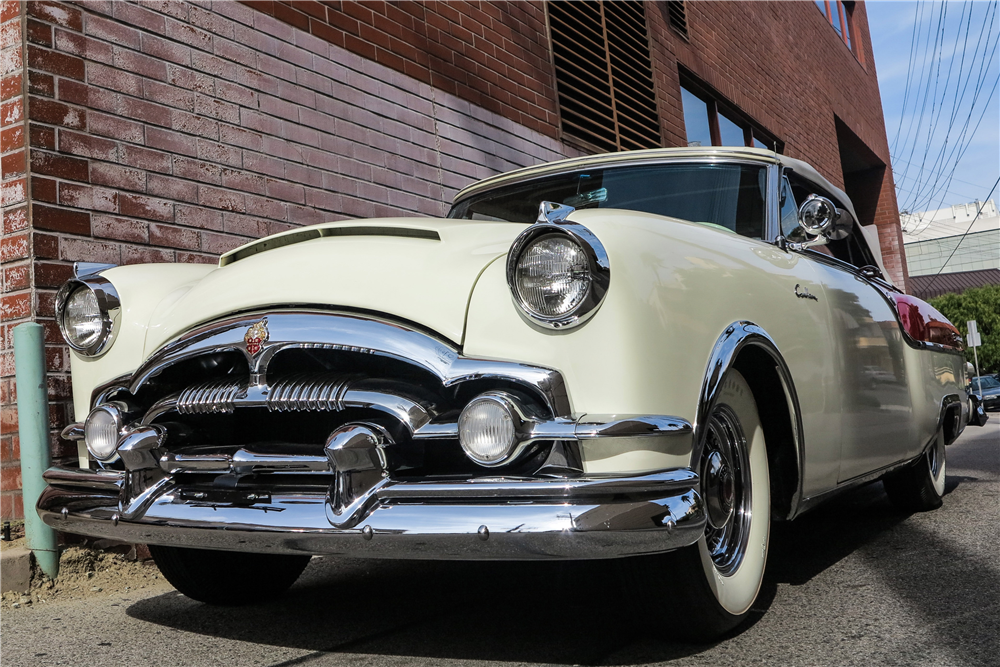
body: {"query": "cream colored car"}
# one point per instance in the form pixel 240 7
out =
pixel 655 353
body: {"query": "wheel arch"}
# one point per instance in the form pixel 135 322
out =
pixel 749 349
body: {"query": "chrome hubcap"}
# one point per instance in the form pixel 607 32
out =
pixel 725 486
pixel 934 457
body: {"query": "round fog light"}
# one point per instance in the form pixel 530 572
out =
pixel 101 431
pixel 486 430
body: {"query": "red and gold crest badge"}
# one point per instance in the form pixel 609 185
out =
pixel 256 336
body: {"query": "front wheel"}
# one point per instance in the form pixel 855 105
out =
pixel 227 577
pixel 919 487
pixel 707 589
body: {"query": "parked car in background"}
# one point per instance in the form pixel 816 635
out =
pixel 651 355
pixel 987 389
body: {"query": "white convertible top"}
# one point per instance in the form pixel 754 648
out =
pixel 720 153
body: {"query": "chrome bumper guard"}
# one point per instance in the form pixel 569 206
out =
pixel 494 518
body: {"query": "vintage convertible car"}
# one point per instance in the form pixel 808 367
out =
pixel 653 353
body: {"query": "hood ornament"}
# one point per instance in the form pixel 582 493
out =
pixel 256 336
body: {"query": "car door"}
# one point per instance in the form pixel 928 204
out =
pixel 869 374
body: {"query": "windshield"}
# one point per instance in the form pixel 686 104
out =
pixel 985 382
pixel 730 196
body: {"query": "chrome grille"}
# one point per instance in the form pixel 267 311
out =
pixel 210 398
pixel 299 393
pixel 309 393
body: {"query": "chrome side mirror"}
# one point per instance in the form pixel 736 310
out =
pixel 822 221
pixel 819 217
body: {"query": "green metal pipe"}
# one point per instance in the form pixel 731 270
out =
pixel 33 429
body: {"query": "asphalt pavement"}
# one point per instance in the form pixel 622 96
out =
pixel 852 583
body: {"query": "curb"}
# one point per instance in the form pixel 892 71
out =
pixel 15 565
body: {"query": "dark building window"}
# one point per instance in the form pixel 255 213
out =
pixel 604 75
pixel 839 15
pixel 710 122
pixel 677 16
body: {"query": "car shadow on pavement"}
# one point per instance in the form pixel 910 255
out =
pixel 560 613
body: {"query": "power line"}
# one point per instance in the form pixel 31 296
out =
pixel 941 164
pixel 936 275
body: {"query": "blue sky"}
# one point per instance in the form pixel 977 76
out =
pixel 915 153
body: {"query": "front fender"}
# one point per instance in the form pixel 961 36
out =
pixel 143 289
pixel 675 288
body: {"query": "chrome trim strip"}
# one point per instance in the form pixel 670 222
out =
pixel 582 428
pixel 505 488
pixel 354 333
pixel 243 461
pixel 101 480
pixel 542 528
pixel 737 336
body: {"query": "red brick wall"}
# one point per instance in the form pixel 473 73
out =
pixel 492 54
pixel 15 246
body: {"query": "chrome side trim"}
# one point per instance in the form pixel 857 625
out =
pixel 299 329
pixel 582 428
pixel 736 337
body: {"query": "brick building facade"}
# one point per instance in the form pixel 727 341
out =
pixel 163 131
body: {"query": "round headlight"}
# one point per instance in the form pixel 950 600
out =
pixel 102 430
pixel 552 276
pixel 558 273
pixel 87 311
pixel 486 430
pixel 82 319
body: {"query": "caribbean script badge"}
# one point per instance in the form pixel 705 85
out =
pixel 256 336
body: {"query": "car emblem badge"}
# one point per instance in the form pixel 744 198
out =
pixel 256 336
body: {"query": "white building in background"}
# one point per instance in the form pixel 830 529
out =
pixel 929 237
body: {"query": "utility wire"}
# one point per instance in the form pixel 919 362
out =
pixel 938 274
pixel 964 139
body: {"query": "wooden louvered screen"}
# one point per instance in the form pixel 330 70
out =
pixel 604 74
pixel 677 15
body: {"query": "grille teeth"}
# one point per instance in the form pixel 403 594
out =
pixel 299 393
pixel 309 393
pixel 209 398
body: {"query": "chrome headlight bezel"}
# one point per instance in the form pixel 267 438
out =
pixel 598 264
pixel 109 304
pixel 114 411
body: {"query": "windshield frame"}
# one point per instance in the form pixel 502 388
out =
pixel 770 232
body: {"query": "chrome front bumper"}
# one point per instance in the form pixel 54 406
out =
pixel 481 519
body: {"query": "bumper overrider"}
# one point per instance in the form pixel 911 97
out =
pixel 356 503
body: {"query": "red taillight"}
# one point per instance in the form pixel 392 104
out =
pixel 925 324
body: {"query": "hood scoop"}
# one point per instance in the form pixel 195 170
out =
pixel 302 235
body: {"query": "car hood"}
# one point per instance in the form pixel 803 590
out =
pixel 421 270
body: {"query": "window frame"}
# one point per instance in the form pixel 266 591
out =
pixel 717 105
pixel 845 15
